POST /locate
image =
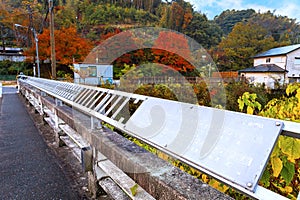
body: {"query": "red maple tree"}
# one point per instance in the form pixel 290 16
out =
pixel 69 46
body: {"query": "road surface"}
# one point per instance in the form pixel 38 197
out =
pixel 28 167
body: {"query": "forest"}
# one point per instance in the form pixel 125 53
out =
pixel 231 38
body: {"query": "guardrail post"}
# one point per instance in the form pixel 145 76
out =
pixel 58 102
pixel 87 159
pixel 95 123
pixel 40 104
pixel 56 118
pixel 43 94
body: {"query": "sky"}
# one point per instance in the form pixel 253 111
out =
pixel 211 8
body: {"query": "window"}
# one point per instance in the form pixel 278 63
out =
pixel 297 61
pixel 268 60
pixel 292 80
pixel 92 71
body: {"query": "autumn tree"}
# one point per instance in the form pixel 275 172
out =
pixel 17 12
pixel 69 46
pixel 176 16
pixel 245 41
pixel 8 17
pixel 170 49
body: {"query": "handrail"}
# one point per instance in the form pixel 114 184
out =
pixel 232 147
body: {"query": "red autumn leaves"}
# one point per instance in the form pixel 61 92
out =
pixel 169 48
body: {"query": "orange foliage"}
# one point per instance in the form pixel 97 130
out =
pixel 17 16
pixel 178 13
pixel 170 49
pixel 173 42
pixel 69 46
pixel 110 34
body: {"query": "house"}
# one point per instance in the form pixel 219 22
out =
pixel 12 54
pixel 277 65
pixel 92 74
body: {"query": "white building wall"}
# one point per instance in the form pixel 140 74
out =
pixel 13 58
pixel 280 61
pixel 269 79
pixel 92 74
pixel 293 64
pixel 289 62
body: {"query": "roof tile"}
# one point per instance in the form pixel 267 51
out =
pixel 278 51
pixel 263 68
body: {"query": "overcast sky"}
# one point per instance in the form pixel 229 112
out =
pixel 211 8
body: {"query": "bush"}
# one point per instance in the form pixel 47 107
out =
pixel 14 68
pixel 235 90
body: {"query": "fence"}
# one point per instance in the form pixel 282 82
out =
pixel 231 147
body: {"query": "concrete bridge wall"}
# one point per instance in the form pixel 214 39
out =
pixel 157 179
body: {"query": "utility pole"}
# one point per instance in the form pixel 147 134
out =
pixel 36 48
pixel 37 51
pixel 30 26
pixel 52 40
pixel 2 38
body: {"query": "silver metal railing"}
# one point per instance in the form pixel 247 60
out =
pixel 231 147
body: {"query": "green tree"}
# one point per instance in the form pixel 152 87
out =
pixel 281 28
pixel 205 32
pixel 93 18
pixel 245 41
pixel 228 18
pixel 66 13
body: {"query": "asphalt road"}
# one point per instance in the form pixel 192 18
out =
pixel 28 168
pixel 9 89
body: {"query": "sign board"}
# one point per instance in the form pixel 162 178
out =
pixel 232 146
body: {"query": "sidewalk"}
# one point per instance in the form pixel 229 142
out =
pixel 28 168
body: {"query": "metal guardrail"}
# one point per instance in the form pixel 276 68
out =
pixel 231 147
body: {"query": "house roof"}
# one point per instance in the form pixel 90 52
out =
pixel 263 68
pixel 8 50
pixel 278 51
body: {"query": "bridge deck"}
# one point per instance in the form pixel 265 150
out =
pixel 28 167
